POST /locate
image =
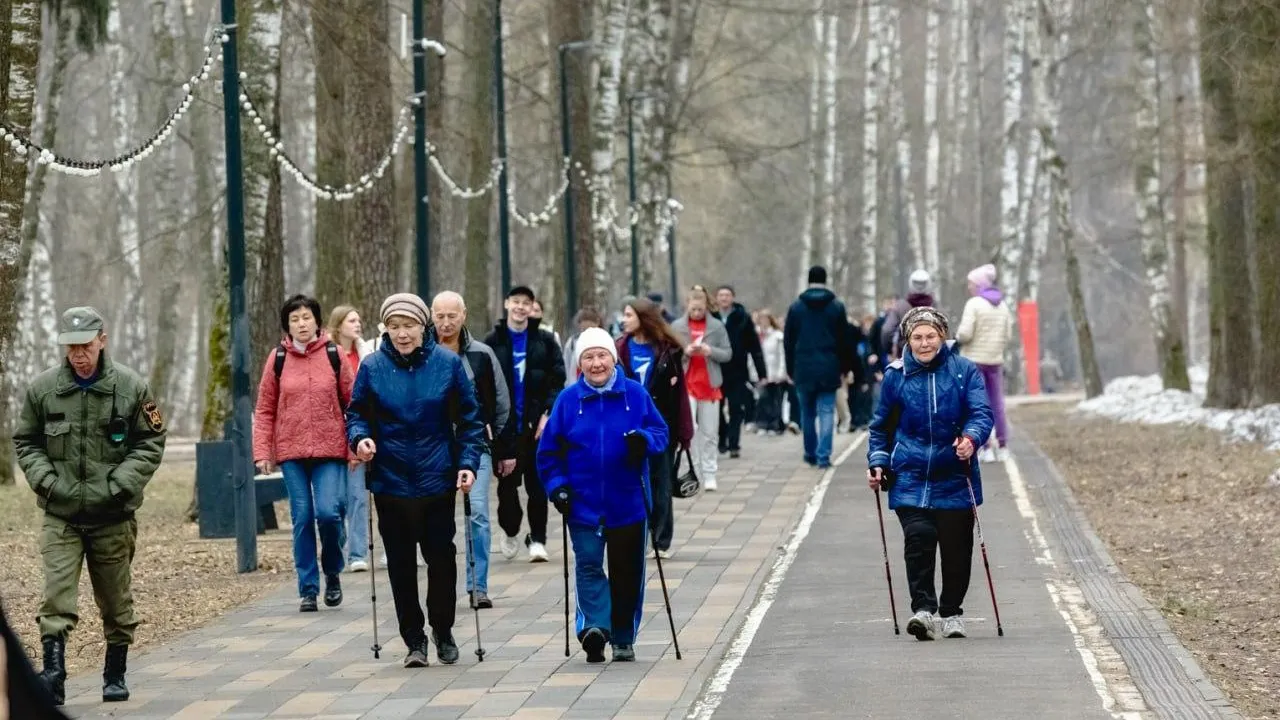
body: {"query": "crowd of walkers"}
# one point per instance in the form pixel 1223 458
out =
pixel 595 426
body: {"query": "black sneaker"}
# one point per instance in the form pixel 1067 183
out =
pixel 417 657
pixel 307 604
pixel 624 653
pixel 332 591
pixel 593 642
pixel 482 600
pixel 446 648
pixel 735 454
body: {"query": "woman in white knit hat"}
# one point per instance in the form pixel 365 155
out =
pixel 415 420
pixel 592 460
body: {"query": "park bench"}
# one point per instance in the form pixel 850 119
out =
pixel 215 492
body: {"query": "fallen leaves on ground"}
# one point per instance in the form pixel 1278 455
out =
pixel 1190 518
pixel 180 582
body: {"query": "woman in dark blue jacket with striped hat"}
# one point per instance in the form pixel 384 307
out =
pixel 932 416
pixel 415 419
pixel 592 459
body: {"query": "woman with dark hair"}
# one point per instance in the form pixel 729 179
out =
pixel 650 353
pixel 299 425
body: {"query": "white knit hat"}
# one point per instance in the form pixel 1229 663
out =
pixel 594 338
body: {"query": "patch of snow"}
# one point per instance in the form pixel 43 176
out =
pixel 1143 400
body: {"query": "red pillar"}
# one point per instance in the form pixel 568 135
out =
pixel 1029 325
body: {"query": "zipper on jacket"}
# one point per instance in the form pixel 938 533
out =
pixel 933 402
pixel 84 418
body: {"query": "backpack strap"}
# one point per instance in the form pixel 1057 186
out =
pixel 335 360
pixel 279 365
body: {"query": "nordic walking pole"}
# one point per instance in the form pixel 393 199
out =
pixel 373 585
pixel 884 548
pixel 471 565
pixel 662 578
pixel 564 534
pixel 973 499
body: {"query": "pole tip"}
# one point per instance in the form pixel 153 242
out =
pixel 1000 631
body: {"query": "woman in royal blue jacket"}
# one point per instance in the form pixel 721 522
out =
pixel 592 459
pixel 415 420
pixel 933 414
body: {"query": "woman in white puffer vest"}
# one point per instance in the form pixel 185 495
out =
pixel 984 332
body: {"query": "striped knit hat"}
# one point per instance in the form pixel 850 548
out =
pixel 406 305
pixel 918 316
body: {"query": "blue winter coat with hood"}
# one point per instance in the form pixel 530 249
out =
pixel 584 445
pixel 923 409
pixel 421 411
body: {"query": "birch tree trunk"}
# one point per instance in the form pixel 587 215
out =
pixel 1155 249
pixel 19 56
pixel 267 284
pixel 933 155
pixel 1010 230
pixel 809 250
pixel 830 76
pixel 902 141
pixel 874 65
pixel 1046 90
pixel 608 39
pixel 479 135
pixel 333 48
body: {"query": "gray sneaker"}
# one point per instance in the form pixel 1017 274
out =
pixel 923 626
pixel 417 657
pixel 953 627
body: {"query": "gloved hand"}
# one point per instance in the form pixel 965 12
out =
pixel 562 498
pixel 637 449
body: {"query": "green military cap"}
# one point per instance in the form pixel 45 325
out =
pixel 79 325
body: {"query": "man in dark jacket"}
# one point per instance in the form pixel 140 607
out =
pixel 533 365
pixel 737 383
pixel 919 295
pixel 449 329
pixel 818 356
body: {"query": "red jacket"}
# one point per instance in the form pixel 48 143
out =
pixel 299 417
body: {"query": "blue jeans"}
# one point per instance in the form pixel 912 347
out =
pixel 317 495
pixel 357 515
pixel 480 534
pixel 614 604
pixel 817 419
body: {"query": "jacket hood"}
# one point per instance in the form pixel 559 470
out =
pixel 991 295
pixel 817 298
pixel 319 341
pixel 920 299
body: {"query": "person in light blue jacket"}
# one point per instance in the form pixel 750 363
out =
pixel 933 415
pixel 593 459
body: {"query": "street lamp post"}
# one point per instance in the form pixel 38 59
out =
pixel 500 110
pixel 566 151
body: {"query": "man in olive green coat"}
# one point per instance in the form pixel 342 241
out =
pixel 88 440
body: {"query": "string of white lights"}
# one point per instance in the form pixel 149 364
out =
pixel 548 211
pixel 24 147
pixel 454 187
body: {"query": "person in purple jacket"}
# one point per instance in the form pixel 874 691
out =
pixel 592 459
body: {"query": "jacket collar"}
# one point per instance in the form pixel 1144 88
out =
pixel 414 359
pixel 105 383
pixel 534 324
pixel 319 341
pixel 913 366
pixel 464 338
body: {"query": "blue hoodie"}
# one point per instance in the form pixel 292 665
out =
pixel 584 445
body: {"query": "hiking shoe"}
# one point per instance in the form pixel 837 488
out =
pixel 417 657
pixel 358 566
pixel 666 554
pixel 923 626
pixel 986 455
pixel 481 600
pixel 332 591
pixel 1002 455
pixel 735 454
pixel 593 642
pixel 710 485
pixel 446 648
pixel 953 627
pixel 537 552
pixel 510 548
pixel 624 653
pixel 307 604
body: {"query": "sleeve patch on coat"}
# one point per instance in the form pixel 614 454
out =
pixel 154 420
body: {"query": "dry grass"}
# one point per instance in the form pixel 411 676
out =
pixel 1191 520
pixel 179 581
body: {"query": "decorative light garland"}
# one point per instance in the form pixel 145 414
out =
pixel 23 146
pixel 550 210
pixel 454 188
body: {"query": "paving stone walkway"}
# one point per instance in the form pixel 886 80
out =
pixel 267 660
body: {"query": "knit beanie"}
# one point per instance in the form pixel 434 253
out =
pixel 594 338
pixel 817 275
pixel 920 281
pixel 983 277
pixel 918 316
pixel 406 305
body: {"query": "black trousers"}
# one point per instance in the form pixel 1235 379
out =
pixel 405 525
pixel 510 514
pixel 733 411
pixel 661 478
pixel 925 532
pixel 769 409
pixel 861 405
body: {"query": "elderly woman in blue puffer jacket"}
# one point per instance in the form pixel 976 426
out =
pixel 933 415
pixel 415 420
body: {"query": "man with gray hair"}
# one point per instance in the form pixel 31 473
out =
pixel 449 328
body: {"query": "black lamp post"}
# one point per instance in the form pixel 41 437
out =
pixel 566 151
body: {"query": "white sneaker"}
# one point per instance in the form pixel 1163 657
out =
pixel 383 562
pixel 510 547
pixel 953 627
pixel 358 566
pixel 666 554
pixel 1002 454
pixel 923 625
pixel 709 485
pixel 986 455
pixel 537 552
